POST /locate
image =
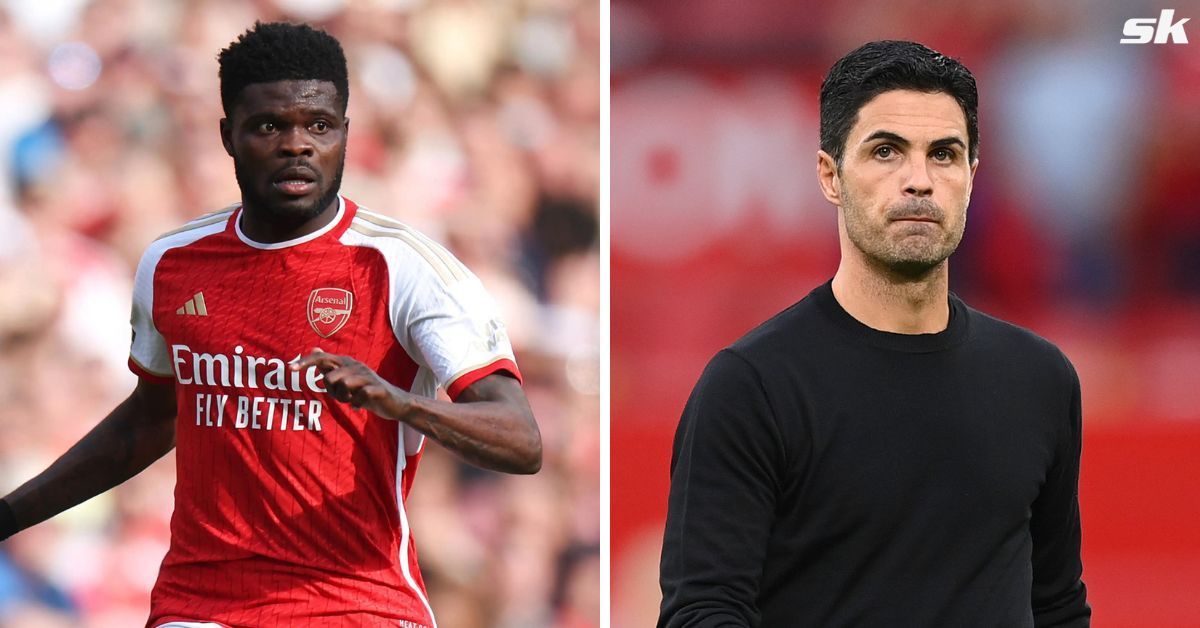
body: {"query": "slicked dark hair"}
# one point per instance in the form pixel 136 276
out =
pixel 278 51
pixel 882 66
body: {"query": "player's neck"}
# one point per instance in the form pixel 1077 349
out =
pixel 887 301
pixel 265 227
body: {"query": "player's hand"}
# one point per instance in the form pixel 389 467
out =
pixel 353 382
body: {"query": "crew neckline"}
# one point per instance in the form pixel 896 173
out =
pixel 954 333
pixel 270 246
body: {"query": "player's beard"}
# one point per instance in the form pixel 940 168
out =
pixel 909 255
pixel 290 216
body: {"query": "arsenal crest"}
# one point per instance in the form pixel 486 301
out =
pixel 329 309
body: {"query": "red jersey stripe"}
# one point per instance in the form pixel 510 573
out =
pixel 502 365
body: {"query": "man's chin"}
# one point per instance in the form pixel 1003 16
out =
pixel 914 264
pixel 913 269
pixel 296 210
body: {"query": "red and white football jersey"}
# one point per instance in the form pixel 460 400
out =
pixel 289 505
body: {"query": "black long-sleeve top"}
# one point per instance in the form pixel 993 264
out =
pixel 828 474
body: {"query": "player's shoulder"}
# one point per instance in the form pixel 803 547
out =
pixel 198 226
pixel 189 232
pixel 1001 331
pixel 404 246
pixel 797 326
pixel 787 342
pixel 1001 337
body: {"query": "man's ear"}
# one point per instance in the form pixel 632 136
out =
pixel 971 178
pixel 829 178
pixel 227 136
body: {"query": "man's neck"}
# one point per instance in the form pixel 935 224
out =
pixel 260 227
pixel 891 302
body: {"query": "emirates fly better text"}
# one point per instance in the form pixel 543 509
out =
pixel 240 371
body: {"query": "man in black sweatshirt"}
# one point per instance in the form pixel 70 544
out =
pixel 881 454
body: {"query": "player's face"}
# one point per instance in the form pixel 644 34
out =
pixel 288 143
pixel 905 180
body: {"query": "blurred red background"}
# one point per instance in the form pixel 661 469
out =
pixel 1084 227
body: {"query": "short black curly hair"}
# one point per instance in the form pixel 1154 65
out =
pixel 881 66
pixel 279 51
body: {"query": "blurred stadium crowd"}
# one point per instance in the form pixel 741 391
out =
pixel 475 121
pixel 1084 226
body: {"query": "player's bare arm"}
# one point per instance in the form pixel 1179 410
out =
pixel 137 432
pixel 490 425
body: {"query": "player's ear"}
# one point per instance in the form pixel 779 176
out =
pixel 971 178
pixel 227 136
pixel 828 177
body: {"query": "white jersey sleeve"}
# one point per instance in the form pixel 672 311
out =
pixel 148 355
pixel 440 312
pixel 457 330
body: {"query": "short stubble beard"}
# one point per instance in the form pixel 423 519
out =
pixel 280 215
pixel 907 256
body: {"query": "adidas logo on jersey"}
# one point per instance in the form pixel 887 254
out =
pixel 194 306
